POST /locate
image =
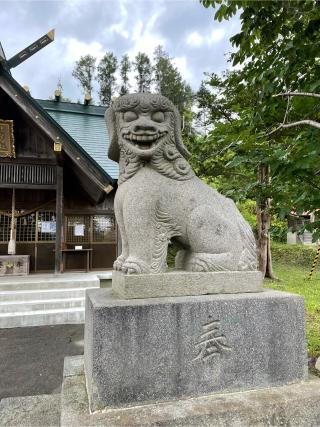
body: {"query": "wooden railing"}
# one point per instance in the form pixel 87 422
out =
pixel 27 174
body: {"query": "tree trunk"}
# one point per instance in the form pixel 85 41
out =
pixel 263 226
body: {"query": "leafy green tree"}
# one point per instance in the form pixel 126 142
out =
pixel 143 68
pixel 277 48
pixel 125 68
pixel 106 77
pixel 84 71
pixel 168 80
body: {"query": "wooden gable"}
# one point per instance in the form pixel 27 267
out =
pixel 37 135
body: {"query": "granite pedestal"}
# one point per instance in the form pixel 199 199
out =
pixel 293 405
pixel 160 349
pixel 177 283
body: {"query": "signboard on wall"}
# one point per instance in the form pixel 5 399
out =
pixel 7 148
pixel 48 227
pixel 79 229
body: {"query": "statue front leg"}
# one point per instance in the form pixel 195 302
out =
pixel 118 206
pixel 139 227
pixel 148 242
pixel 139 250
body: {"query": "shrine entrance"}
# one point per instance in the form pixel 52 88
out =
pixel 56 202
pixel 36 236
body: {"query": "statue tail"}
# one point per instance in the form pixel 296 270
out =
pixel 248 259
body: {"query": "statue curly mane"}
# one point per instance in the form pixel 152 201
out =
pixel 169 160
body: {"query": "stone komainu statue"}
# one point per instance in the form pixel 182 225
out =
pixel 160 199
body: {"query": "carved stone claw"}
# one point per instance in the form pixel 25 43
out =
pixel 117 265
pixel 134 266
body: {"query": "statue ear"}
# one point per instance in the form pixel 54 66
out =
pixel 113 152
pixel 178 138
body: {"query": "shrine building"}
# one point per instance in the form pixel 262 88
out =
pixel 57 184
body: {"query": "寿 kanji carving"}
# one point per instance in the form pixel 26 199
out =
pixel 212 342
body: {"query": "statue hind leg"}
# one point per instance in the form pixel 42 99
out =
pixel 212 247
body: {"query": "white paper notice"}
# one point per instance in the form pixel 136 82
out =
pixel 48 227
pixel 79 230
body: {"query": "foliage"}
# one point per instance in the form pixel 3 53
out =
pixel 168 80
pixel 278 229
pixel 106 77
pixel 159 75
pixel 125 67
pixel 142 66
pixel 84 71
pixel 278 49
pixel 294 255
pixel 248 211
pixel 293 279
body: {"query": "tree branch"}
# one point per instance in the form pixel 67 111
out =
pixel 295 124
pixel 287 110
pixel 312 95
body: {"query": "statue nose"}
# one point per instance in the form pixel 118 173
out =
pixel 144 128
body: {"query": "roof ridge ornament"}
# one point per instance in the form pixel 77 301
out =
pixel 28 51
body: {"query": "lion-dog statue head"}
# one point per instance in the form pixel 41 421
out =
pixel 143 128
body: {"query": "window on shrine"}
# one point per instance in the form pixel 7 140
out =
pixel 104 229
pixel 4 228
pixel 46 226
pixel 26 228
pixel 41 227
pixel 33 227
pixel 90 229
pixel 77 229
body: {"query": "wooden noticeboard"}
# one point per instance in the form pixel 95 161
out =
pixel 7 148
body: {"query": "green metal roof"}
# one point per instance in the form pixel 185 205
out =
pixel 86 125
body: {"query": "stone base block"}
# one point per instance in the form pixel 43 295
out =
pixel 182 283
pixel 159 349
pixel 294 405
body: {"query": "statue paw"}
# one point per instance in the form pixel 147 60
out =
pixel 202 262
pixel 117 265
pixel 134 266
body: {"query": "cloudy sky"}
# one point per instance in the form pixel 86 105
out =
pixel 184 27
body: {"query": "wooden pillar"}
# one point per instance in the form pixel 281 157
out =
pixel 59 221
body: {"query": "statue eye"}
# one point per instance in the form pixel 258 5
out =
pixel 158 116
pixel 130 116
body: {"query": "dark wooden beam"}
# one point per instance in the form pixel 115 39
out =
pixel 2 56
pixel 59 221
pixel 30 50
pixel 29 186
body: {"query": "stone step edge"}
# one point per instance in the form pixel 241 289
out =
pixel 51 282
pixel 42 312
pixel 61 283
pixel 37 291
pixel 36 278
pixel 42 301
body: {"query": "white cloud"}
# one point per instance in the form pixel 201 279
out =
pixel 144 37
pixel 195 39
pixel 121 26
pixel 182 64
pixel 73 49
pixel 216 35
pixel 185 29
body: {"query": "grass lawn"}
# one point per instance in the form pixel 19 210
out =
pixel 293 279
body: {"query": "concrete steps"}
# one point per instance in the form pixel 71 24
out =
pixel 50 304
pixel 42 317
pixel 44 300
pixel 41 294
pixel 48 283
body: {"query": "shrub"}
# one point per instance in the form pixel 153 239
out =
pixel 248 211
pixel 297 255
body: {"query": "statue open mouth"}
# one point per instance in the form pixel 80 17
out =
pixel 144 141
